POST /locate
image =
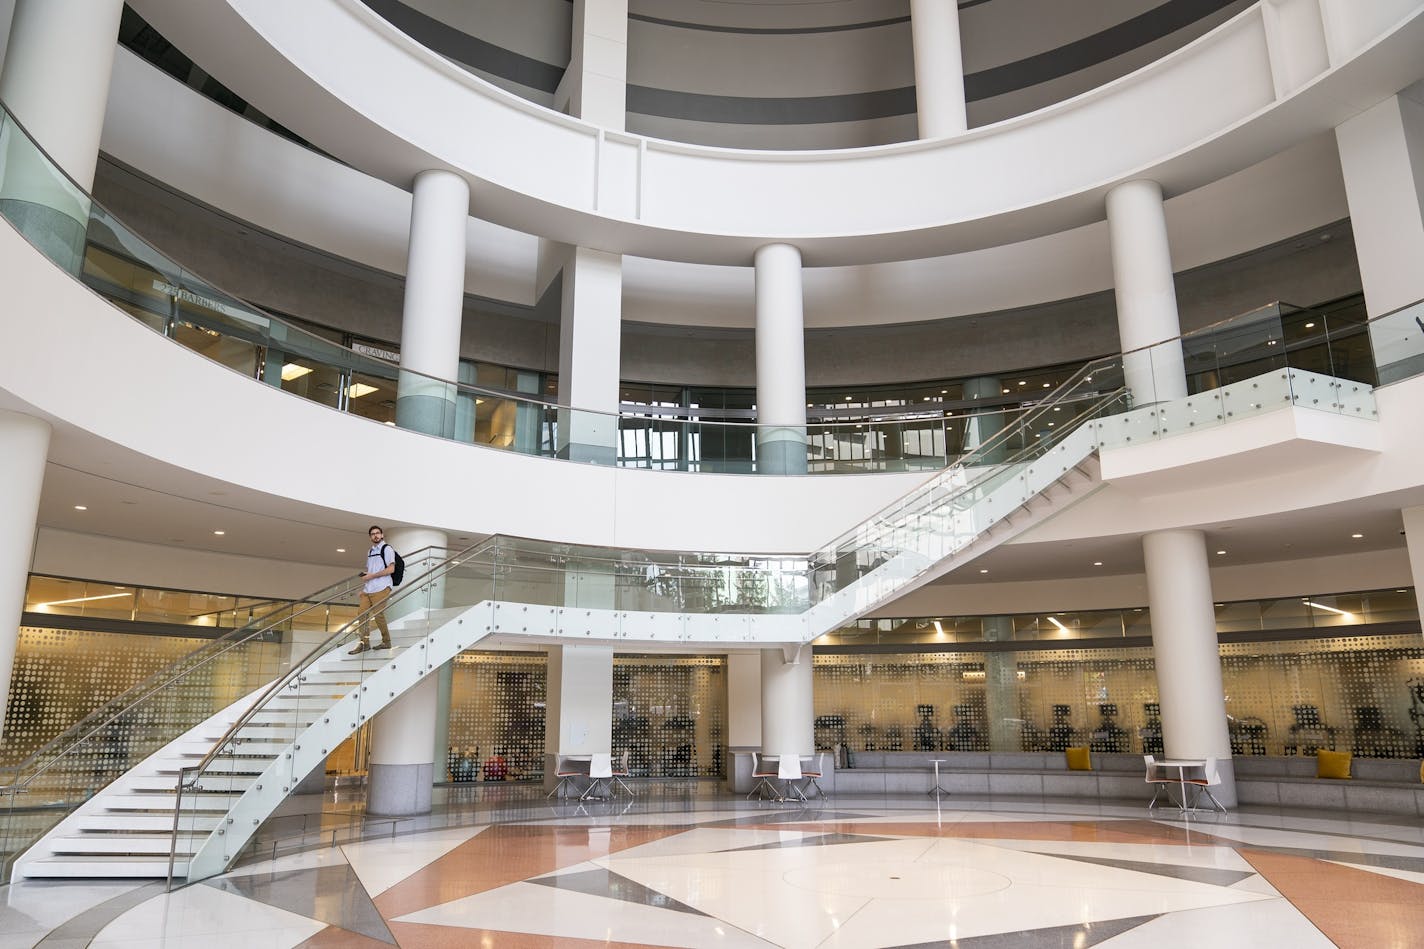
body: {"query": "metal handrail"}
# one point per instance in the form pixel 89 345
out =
pixel 323 647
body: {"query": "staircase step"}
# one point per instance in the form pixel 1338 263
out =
pixel 106 867
pixel 210 782
pixel 102 843
pixel 156 823
pixel 201 803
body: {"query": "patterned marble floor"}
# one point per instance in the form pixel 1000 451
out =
pixel 711 870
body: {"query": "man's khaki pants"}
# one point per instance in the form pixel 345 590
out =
pixel 378 600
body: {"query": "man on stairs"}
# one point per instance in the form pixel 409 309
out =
pixel 380 564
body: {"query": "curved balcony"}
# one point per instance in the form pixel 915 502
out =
pixel 1243 92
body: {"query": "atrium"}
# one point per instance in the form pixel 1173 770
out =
pixel 850 460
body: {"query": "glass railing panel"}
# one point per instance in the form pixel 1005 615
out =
pixel 39 200
pixel 74 766
pixel 1397 340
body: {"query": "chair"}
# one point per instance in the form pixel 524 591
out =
pixel 600 771
pixel 620 771
pixel 788 772
pixel 764 771
pixel 565 770
pixel 1157 776
pixel 814 770
pixel 1210 777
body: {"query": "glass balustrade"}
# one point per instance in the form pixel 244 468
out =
pixel 1228 367
pixel 52 781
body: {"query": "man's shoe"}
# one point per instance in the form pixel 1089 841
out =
pixel 360 648
pixel 382 646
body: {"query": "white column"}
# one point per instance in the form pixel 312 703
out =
pixel 56 82
pixel 24 444
pixel 590 339
pixel 1295 38
pixel 1185 651
pixel 578 709
pixel 787 705
pixel 595 85
pixel 780 361
pixel 939 67
pixel 1414 540
pixel 1382 157
pixel 402 768
pixel 743 717
pixel 434 303
pixel 1146 295
pixel 56 76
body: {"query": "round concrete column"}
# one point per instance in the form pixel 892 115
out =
pixel 401 771
pixel 434 303
pixel 1146 295
pixel 939 67
pixel 1185 650
pixel 56 82
pixel 24 444
pixel 780 361
pixel 787 708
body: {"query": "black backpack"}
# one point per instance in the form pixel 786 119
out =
pixel 398 574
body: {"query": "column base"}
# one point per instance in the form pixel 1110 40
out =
pixel 399 790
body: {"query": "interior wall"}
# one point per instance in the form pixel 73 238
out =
pixel 95 557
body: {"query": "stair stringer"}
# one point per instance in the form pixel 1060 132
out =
pixel 310 748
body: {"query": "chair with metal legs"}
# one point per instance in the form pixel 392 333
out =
pixel 764 771
pixel 565 770
pixel 600 773
pixel 788 772
pixel 620 771
pixel 814 768
pixel 1158 777
pixel 1210 777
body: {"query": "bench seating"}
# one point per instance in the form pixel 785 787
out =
pixel 1378 786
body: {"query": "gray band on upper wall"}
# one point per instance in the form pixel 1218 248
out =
pixel 1103 46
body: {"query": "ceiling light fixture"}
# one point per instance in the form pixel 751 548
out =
pixel 984 570
pixel 80 507
pixel 358 389
pixel 1061 627
pixel 1357 536
pixel 341 550
pixel 81 599
pixel 1329 609
pixel 219 533
pixel 291 371
pixel 1097 563
pixel 1220 552
pixel 939 630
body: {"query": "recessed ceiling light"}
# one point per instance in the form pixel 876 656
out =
pixel 1220 552
pixel 1357 536
pixel 1097 563
pixel 292 371
pixel 1023 382
pixel 358 389
pixel 984 570
pixel 80 507
pixel 1048 385
pixel 1310 326
pixel 219 533
pixel 341 550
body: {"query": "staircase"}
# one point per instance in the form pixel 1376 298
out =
pixel 239 765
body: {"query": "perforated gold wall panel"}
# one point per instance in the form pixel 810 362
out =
pixel 60 675
pixel 670 713
pixel 497 716
pixel 1363 694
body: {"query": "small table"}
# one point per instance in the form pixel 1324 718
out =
pixel 937 790
pixel 1197 766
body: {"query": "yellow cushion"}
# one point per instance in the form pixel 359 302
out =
pixel 1421 771
pixel 1332 764
pixel 1079 759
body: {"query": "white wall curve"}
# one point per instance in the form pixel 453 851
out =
pixel 1213 107
pixel 131 387
pixel 172 134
